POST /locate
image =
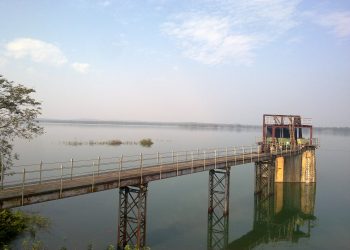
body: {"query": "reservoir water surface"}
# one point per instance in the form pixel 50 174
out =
pixel 177 208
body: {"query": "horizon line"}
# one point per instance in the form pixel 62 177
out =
pixel 161 123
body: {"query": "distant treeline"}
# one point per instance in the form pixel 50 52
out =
pixel 192 125
pixel 187 125
pixel 333 130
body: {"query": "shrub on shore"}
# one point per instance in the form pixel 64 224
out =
pixel 14 223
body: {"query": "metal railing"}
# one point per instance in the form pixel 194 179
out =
pixel 44 172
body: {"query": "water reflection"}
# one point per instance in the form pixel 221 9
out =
pixel 286 214
pixel 283 212
pixel 217 231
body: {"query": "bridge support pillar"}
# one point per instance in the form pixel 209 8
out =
pixel 218 210
pixel 264 189
pixel 264 177
pixel 308 166
pixel 279 167
pixel 296 168
pixel 132 216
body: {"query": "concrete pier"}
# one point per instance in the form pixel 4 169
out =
pixel 296 168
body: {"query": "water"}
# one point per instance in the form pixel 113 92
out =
pixel 177 208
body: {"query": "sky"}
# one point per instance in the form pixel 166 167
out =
pixel 218 61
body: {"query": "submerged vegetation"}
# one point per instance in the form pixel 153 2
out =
pixel 146 142
pixel 115 142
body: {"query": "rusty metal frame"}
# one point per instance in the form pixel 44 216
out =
pixel 217 231
pixel 264 190
pixel 291 122
pixel 132 216
pixel 219 190
pixel 264 177
pixel 218 208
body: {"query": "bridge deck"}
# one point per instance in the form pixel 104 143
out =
pixel 35 192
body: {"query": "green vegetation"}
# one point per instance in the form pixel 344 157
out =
pixel 114 142
pixel 146 142
pixel 127 247
pixel 29 244
pixel 18 119
pixel 11 225
pixel 73 143
pixel 18 114
pixel 14 223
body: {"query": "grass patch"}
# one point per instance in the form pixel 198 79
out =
pixel 73 143
pixel 147 142
pixel 114 142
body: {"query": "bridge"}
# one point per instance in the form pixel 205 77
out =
pixel 283 155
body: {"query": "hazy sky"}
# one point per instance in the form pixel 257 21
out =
pixel 225 61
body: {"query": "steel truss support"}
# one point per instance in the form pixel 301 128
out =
pixel 218 211
pixel 132 216
pixel 264 190
pixel 264 177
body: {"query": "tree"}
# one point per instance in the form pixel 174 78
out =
pixel 18 114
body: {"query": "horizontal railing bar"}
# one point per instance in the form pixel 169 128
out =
pixel 129 156
pixel 241 154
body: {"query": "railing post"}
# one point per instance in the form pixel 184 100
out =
pixel 251 153
pixel 161 166
pixel 177 165
pixel 226 157
pixel 204 160
pixel 71 168
pixel 271 148
pixel 258 149
pixel 141 166
pixel 93 177
pixel 198 153
pixel 158 158
pixel 215 158
pixel 120 167
pixel 281 148
pixel 61 186
pixel 40 170
pixel 23 181
pixel 98 165
pixel 2 169
pixel 243 153
pixel 172 154
pixel 192 162
pixel 234 153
